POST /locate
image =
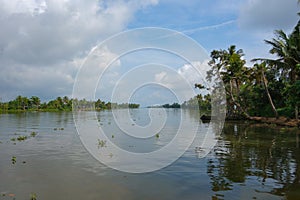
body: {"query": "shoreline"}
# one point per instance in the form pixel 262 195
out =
pixel 281 121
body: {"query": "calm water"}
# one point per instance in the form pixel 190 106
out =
pixel 250 161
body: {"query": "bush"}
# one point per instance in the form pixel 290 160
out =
pixel 287 112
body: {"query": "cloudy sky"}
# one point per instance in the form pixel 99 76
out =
pixel 43 43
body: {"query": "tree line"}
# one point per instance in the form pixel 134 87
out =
pixel 22 103
pixel 270 87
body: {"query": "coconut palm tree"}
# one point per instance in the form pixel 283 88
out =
pixel 258 74
pixel 287 49
pixel 231 66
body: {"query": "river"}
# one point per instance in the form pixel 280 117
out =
pixel 249 161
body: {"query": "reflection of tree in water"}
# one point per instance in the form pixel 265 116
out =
pixel 256 151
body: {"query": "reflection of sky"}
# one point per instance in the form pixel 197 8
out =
pixel 129 150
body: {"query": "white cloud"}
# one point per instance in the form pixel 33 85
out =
pixel 32 7
pixel 182 81
pixel 195 72
pixel 46 82
pixel 160 77
pixel 46 37
pixel 268 14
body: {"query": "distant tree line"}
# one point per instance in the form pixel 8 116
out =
pixel 174 105
pixel 21 103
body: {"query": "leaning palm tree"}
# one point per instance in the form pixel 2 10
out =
pixel 258 74
pixel 287 50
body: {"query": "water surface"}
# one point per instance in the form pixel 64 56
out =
pixel 250 161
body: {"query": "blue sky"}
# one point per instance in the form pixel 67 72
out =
pixel 43 43
pixel 217 24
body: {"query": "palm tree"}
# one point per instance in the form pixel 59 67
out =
pixel 258 74
pixel 231 66
pixel 287 49
pixel 35 101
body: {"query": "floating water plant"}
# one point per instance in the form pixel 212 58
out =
pixel 13 139
pixel 13 160
pixel 58 129
pixel 33 134
pixel 112 136
pixel 101 143
pixel 33 196
pixel 157 135
pixel 22 138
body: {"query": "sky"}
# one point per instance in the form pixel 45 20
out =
pixel 45 43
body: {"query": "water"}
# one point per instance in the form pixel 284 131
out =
pixel 250 161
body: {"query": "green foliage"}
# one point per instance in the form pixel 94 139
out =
pixel 13 159
pixel 174 105
pixel 230 65
pixel 269 88
pixel 286 111
pixel 292 92
pixel 199 102
pixel 101 143
pixel 33 196
pixel 21 104
pixel 22 138
pixel 33 134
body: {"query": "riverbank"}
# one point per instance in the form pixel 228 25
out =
pixel 281 121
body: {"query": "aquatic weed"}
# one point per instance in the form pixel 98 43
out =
pixel 33 196
pixel 101 143
pixel 22 138
pixel 33 134
pixel 13 160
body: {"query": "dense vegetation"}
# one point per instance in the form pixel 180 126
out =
pixel 174 105
pixel 198 102
pixel 20 104
pixel 271 87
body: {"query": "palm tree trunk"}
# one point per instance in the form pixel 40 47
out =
pixel 239 107
pixel 296 112
pixel 269 95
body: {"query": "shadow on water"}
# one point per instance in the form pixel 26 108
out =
pixel 254 153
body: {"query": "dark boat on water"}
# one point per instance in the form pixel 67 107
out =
pixel 208 118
